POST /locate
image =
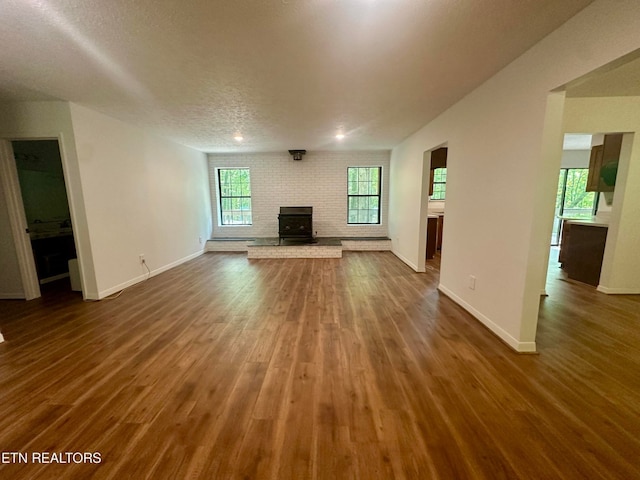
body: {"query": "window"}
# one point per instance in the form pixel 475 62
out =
pixel 572 199
pixel 363 194
pixel 234 188
pixel 439 183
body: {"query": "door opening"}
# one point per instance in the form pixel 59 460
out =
pixel 46 208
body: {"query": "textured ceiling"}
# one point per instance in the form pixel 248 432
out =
pixel 283 73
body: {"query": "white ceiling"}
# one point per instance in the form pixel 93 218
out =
pixel 620 78
pixel 283 73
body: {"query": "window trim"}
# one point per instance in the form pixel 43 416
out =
pixel 378 195
pixel 220 198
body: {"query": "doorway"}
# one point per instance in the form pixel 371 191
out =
pixel 46 210
pixel 436 205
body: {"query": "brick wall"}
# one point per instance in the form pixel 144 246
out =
pixel 318 180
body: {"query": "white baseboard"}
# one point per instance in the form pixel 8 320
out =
pixel 12 296
pixel 520 347
pixel 92 296
pixel 618 291
pixel 169 266
pixel 413 266
pixel 110 291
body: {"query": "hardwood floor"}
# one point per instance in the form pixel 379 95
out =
pixel 316 368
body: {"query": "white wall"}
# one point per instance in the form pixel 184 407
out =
pixel 130 192
pixel 318 180
pixel 502 170
pixel 436 206
pixel 52 120
pixel 621 263
pixel 143 195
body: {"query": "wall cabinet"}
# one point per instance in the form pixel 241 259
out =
pixel 603 164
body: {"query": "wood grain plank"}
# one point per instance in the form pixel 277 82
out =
pixel 347 368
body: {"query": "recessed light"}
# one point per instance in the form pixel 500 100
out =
pixel 340 136
pixel 238 138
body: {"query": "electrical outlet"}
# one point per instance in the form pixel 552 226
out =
pixel 472 282
pixel 141 257
pixel 200 240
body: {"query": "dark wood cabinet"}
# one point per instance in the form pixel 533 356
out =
pixel 564 241
pixel 582 251
pixel 435 223
pixel 439 234
pixel 432 235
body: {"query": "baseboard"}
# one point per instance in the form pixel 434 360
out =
pixel 12 296
pixel 90 296
pixel 520 347
pixel 110 291
pixel 169 266
pixel 618 291
pixel 413 266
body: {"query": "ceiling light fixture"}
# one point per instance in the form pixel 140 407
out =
pixel 340 136
pixel 297 154
pixel 238 138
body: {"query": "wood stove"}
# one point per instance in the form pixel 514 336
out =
pixel 295 223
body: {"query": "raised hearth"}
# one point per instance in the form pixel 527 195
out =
pixel 293 248
pixel 347 244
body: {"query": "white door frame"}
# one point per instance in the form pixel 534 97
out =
pixel 18 221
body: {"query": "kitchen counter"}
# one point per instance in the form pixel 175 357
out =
pixel 588 222
pixel 50 229
pixel 60 232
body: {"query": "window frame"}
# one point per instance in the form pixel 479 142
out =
pixel 378 195
pixel 556 233
pixel 444 190
pixel 221 211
